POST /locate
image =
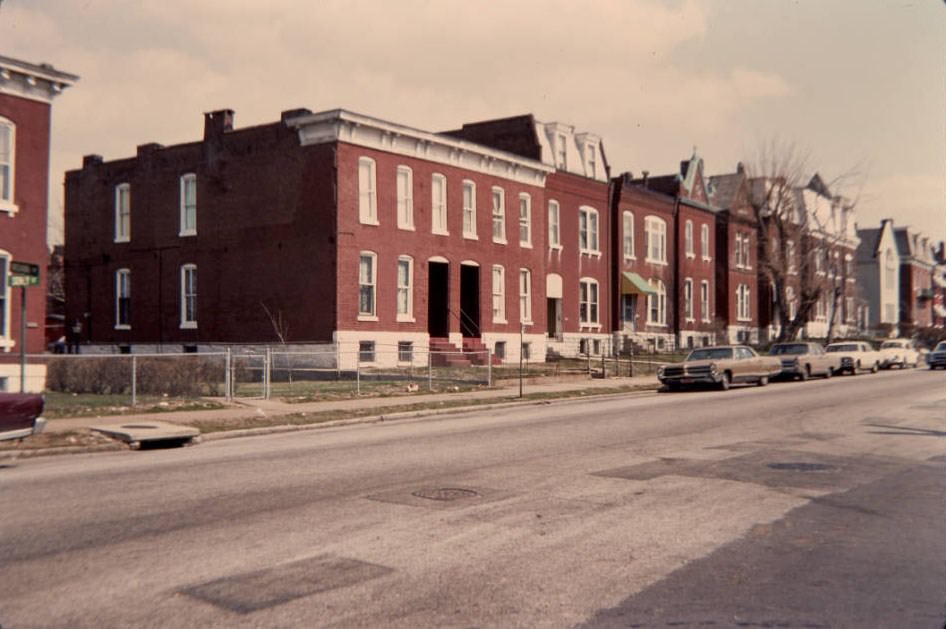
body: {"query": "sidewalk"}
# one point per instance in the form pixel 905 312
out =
pixel 245 409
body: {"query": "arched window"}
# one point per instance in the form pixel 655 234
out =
pixel 655 232
pixel 628 227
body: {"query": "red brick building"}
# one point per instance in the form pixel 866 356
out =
pixel 26 94
pixel 917 289
pixel 575 244
pixel 737 268
pixel 346 228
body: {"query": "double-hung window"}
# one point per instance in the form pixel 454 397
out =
pixel 588 302
pixel 704 242
pixel 628 226
pixel 367 283
pixel 588 230
pixel 499 215
pixel 688 299
pixel 189 296
pixel 367 192
pixel 656 234
pixel 405 198
pixel 688 239
pixel 469 209
pixel 743 310
pixel 657 303
pixel 405 282
pixel 525 220
pixel 555 225
pixel 123 212
pixel 4 298
pixel 438 204
pixel 188 205
pixel 7 155
pixel 499 294
pixel 704 301
pixel 122 299
pixel 525 296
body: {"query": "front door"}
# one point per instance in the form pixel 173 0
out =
pixel 438 299
pixel 470 301
pixel 629 312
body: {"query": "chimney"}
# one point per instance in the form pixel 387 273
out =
pixel 740 168
pixel 646 174
pixel 91 160
pixel 216 123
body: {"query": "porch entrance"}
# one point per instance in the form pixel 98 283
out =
pixel 470 301
pixel 438 299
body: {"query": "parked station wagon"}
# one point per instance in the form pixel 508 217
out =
pixel 720 366
pixel 802 360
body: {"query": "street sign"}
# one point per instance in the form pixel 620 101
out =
pixel 24 280
pixel 24 268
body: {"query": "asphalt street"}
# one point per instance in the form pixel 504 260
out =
pixel 815 504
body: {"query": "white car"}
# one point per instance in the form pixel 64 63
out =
pixel 855 356
pixel 899 352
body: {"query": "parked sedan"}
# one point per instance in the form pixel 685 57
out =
pixel 937 358
pixel 899 352
pixel 802 360
pixel 720 366
pixel 855 356
pixel 20 415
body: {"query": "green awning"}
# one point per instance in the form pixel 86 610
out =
pixel 634 284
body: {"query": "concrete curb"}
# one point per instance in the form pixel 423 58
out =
pixel 12 455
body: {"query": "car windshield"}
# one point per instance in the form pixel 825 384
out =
pixel 792 348
pixel 892 344
pixel 711 353
pixel 846 347
pixel 941 347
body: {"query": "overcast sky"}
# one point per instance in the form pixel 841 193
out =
pixel 857 85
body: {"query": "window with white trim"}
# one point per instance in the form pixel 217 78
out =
pixel 188 205
pixel 743 305
pixel 499 215
pixel 499 294
pixel 189 296
pixel 688 239
pixel 525 296
pixel 705 242
pixel 438 204
pixel 525 220
pixel 688 299
pixel 367 192
pixel 405 292
pixel 655 232
pixel 628 225
pixel 592 161
pixel 704 301
pixel 405 351
pixel 7 162
pixel 790 253
pixel 367 285
pixel 405 198
pixel 588 230
pixel 469 209
pixel 562 152
pixel 588 302
pixel 737 251
pixel 122 299
pixel 4 298
pixel 123 212
pixel 555 225
pixel 792 302
pixel 657 303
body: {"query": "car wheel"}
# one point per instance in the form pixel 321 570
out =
pixel 764 380
pixel 725 381
pixel 829 373
pixel 874 368
pixel 805 373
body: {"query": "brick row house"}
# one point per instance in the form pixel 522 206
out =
pixel 27 91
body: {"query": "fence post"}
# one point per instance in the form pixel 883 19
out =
pixel 134 380
pixel 227 377
pixel 358 372
pixel 267 372
pixel 489 368
pixel 430 369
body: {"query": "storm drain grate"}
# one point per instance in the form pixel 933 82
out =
pixel 445 494
pixel 260 589
pixel 802 467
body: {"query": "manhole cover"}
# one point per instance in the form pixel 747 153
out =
pixel 139 426
pixel 801 467
pixel 445 493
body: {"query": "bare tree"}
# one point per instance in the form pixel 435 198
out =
pixel 802 247
pixel 281 329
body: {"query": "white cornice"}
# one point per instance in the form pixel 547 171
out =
pixel 35 82
pixel 340 125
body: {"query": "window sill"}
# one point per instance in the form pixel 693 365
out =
pixel 190 232
pixel 189 325
pixel 119 326
pixel 705 259
pixel 689 320
pixel 406 319
pixel 691 256
pixel 657 262
pixel 592 327
pixel 120 240
pixel 502 241
pixel 555 247
pixel 471 236
pixel 500 321
pixel 590 253
pixel 364 221
pixel 407 228
pixel 525 245
pixel 654 324
pixel 364 317
pixel 9 208
pixel 439 232
pixel 630 258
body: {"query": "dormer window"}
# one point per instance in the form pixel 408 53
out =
pixel 592 161
pixel 562 161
